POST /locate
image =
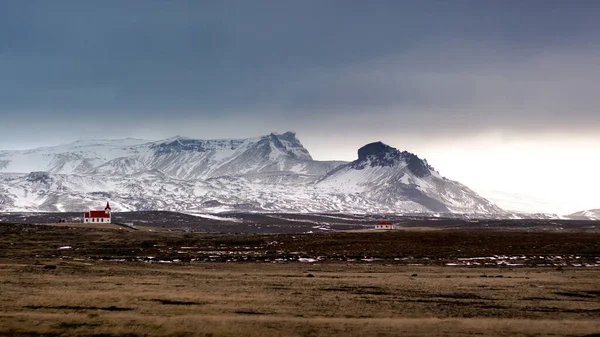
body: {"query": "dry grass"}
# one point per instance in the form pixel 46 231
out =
pixel 86 225
pixel 265 299
pixel 436 247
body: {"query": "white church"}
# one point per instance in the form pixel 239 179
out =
pixel 98 216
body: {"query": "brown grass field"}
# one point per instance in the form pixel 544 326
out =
pixel 80 291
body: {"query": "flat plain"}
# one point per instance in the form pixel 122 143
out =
pixel 74 281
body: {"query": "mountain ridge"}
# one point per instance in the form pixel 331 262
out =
pixel 273 173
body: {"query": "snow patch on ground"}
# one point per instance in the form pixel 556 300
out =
pixel 215 217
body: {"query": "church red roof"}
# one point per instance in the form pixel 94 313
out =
pixel 96 214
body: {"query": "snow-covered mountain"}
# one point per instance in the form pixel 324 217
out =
pixel 592 214
pixel 390 177
pixel 178 157
pixel 272 173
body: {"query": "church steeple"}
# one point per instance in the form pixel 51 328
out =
pixel 107 208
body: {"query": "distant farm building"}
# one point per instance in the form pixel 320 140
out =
pixel 97 216
pixel 384 225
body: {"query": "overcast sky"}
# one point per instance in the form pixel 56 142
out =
pixel 501 95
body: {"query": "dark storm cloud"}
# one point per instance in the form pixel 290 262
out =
pixel 379 65
pixel 544 92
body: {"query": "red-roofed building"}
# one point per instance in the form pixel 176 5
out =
pixel 384 225
pixel 98 216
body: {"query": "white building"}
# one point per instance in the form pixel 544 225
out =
pixel 384 225
pixel 97 216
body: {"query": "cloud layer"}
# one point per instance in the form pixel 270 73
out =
pixel 421 75
pixel 467 65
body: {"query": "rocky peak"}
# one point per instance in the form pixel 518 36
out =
pixel 178 144
pixel 287 143
pixel 377 150
pixel 419 167
pixel 289 136
pixel 382 155
pixel 181 144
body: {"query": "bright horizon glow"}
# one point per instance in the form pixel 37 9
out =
pixel 545 174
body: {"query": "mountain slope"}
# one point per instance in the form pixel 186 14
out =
pixel 273 173
pixel 592 214
pixel 76 157
pixel 388 176
pixel 178 157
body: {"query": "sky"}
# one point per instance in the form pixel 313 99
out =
pixel 501 95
